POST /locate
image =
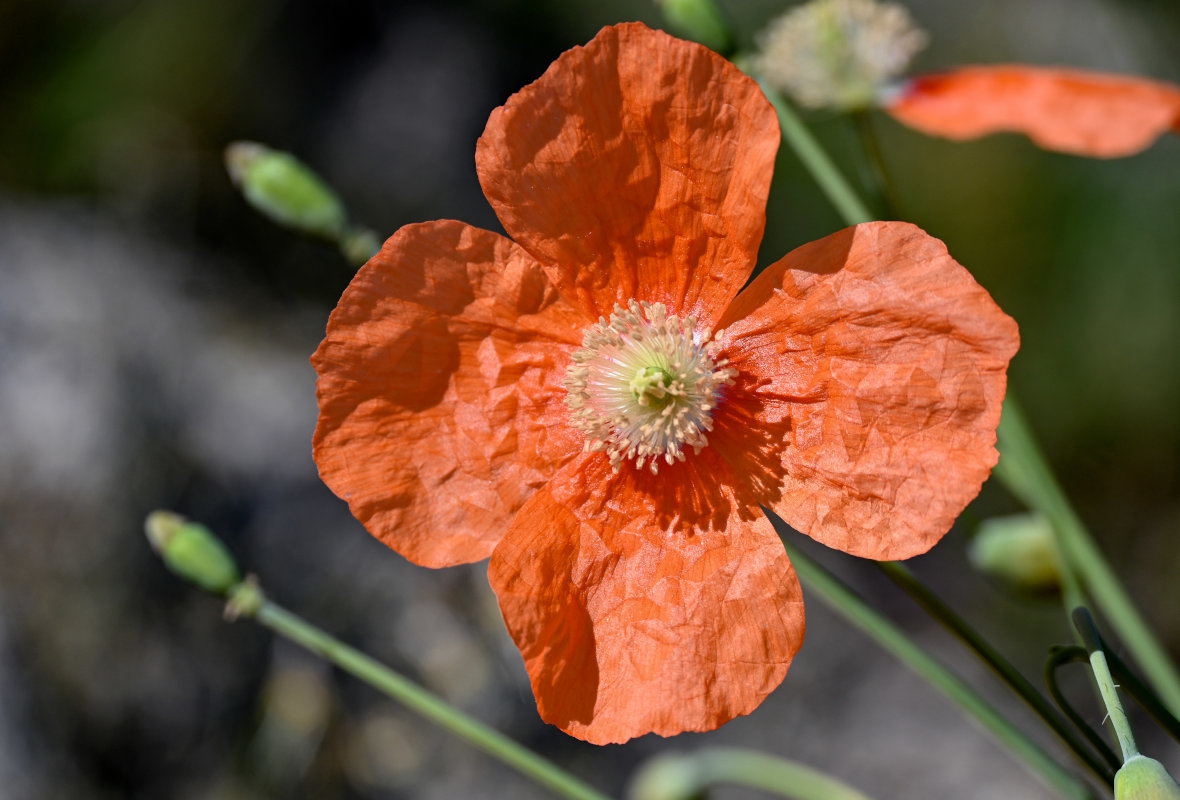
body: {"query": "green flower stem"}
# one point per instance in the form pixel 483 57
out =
pixel 831 181
pixel 946 616
pixel 1110 696
pixel 872 146
pixel 1025 472
pixel 246 599
pixel 1023 468
pixel 684 776
pixel 841 599
pixel 1059 657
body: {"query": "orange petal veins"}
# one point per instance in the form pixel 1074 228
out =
pixel 636 167
pixel 886 361
pixel 1086 113
pixel 631 621
pixel 441 404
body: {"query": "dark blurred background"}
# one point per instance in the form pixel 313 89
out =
pixel 154 336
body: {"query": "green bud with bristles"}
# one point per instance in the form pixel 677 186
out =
pixel 699 20
pixel 285 189
pixel 192 551
pixel 1143 778
pixel 1020 550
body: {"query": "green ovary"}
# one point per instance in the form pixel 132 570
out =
pixel 650 387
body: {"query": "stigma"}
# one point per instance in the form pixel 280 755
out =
pixel 644 385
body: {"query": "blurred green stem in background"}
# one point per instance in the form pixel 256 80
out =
pixel 1022 467
pixel 686 776
pixel 845 602
pixel 1025 472
pixel 831 181
pixel 945 615
pixel 290 194
pixel 195 554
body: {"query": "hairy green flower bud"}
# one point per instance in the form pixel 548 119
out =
pixel 1143 778
pixel 283 188
pixel 699 20
pixel 1019 550
pixel 192 551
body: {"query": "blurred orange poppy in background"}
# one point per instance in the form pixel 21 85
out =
pixel 850 55
pixel 1073 111
pixel 594 404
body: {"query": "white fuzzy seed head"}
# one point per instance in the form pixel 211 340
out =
pixel 644 384
pixel 840 54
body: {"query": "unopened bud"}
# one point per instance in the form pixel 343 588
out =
pixel 283 188
pixel 699 20
pixel 668 776
pixel 192 551
pixel 841 54
pixel 1143 778
pixel 1020 550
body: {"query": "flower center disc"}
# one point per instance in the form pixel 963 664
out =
pixel 643 386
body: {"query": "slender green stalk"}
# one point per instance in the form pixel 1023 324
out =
pixel 247 600
pixel 684 776
pixel 841 599
pixel 831 181
pixel 1058 657
pixel 1110 696
pixel 880 170
pixel 1025 472
pixel 1147 699
pixel 946 616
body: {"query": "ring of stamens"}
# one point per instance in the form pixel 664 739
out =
pixel 644 384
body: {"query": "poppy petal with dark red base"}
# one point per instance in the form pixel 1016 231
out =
pixel 637 167
pixel 632 620
pixel 441 404
pixel 1086 113
pixel 882 362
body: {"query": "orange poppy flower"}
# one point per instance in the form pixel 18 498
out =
pixel 1072 111
pixel 567 402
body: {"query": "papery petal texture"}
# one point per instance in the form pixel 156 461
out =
pixel 855 390
pixel 1072 111
pixel 637 167
pixel 441 404
pixel 883 362
pixel 633 618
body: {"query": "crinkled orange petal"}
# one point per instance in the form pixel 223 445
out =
pixel 441 404
pixel 632 620
pixel 1087 113
pixel 882 363
pixel 636 167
